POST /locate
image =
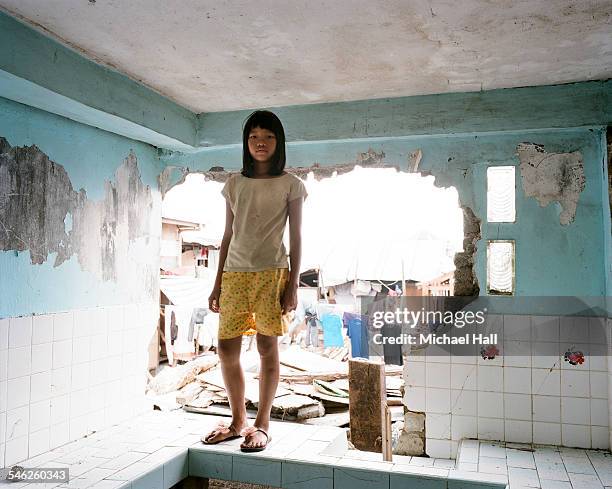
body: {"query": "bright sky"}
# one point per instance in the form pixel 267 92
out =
pixel 365 224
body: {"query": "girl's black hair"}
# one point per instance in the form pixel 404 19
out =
pixel 265 120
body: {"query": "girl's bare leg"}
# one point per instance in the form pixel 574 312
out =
pixel 267 346
pixel 233 377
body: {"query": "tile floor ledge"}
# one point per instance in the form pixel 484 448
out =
pixel 159 449
pixel 537 466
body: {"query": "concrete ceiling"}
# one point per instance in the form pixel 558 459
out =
pixel 218 56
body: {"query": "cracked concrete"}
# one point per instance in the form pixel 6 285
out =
pixel 552 177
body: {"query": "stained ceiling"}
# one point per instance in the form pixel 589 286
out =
pixel 214 56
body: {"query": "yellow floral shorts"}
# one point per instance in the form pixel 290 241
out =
pixel 250 303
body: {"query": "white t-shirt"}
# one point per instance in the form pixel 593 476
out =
pixel 261 208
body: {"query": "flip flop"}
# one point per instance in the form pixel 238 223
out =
pixel 217 430
pixel 249 431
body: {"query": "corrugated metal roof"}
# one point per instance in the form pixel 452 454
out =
pixel 186 291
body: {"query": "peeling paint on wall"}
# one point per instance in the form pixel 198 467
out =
pixel 552 177
pixel 40 212
pixel 175 175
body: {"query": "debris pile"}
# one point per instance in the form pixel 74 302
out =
pixel 313 387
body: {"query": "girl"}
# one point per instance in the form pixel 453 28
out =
pixel 255 287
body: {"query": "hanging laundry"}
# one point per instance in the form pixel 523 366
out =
pixel 332 330
pixel 357 327
pixel 392 352
pixel 312 328
pixel 197 317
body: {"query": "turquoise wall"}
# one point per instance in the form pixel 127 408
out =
pixel 551 259
pixel 90 157
pixel 39 71
pixel 460 134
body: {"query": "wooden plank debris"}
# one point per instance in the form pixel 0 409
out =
pixel 310 362
pixel 340 419
pixel 314 388
pixel 294 407
pixel 188 393
pixel 203 400
pixel 387 436
pixel 328 401
pixel 329 389
pixel 218 410
pixel 305 377
pixel 368 406
pixel 173 378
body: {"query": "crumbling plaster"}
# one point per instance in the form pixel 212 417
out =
pixel 461 161
pixel 41 213
pixel 552 177
pixel 83 179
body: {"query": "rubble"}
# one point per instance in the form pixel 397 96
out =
pixel 313 386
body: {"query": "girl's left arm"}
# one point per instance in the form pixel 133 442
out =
pixel 295 254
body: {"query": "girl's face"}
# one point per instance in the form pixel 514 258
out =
pixel 262 144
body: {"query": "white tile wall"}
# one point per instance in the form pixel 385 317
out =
pixel 575 383
pixel 464 377
pixel 464 427
pixel 464 402
pixel 59 381
pixel 517 406
pixel 42 329
pixel 518 431
pixel 517 353
pixel 438 426
pixel 600 437
pixel 491 404
pixel 490 378
pixel 546 408
pixel 517 380
pixel 490 428
pixel 599 412
pixel 20 332
pixel 573 435
pixel 529 393
pixel 547 433
pixel 4 334
pixel 545 382
pixel 437 400
pixel 438 375
pixel 575 410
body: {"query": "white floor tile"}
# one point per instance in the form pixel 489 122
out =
pixel 520 458
pixel 524 477
pixel 490 465
pixel 585 481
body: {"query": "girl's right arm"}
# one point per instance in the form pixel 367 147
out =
pixel 213 299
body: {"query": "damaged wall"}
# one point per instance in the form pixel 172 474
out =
pixel 552 177
pixel 551 258
pixel 79 215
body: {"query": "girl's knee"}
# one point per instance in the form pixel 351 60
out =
pixel 229 350
pixel 267 346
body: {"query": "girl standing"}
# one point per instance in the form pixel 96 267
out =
pixel 255 286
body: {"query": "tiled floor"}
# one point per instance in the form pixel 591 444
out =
pixel 151 452
pixel 538 467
